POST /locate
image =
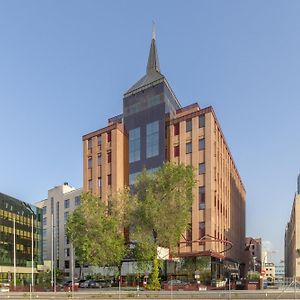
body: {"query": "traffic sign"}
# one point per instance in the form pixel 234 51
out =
pixel 263 272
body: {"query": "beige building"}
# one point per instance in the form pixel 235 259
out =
pixel 56 208
pixel 154 128
pixel 292 241
pixel 270 272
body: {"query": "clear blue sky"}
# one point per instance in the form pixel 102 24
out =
pixel 64 66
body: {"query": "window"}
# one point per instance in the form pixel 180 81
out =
pixel 109 137
pixel 109 157
pixel 67 203
pixel 201 230
pixel 201 121
pixel 66 216
pixel 90 143
pixel 188 148
pixel 90 184
pixel 67 264
pixel 44 221
pixel 176 129
pixel 132 177
pixel 201 197
pixel 67 252
pixel 134 145
pixel 99 182
pixel 99 160
pixel 67 241
pixel 99 140
pixel 188 125
pixel 90 163
pixel 44 233
pixel 189 235
pixel 44 210
pixel 176 151
pixel 109 179
pixel 201 144
pixel 77 200
pixel 201 168
pixel 152 139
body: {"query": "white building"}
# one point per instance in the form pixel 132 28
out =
pixel 61 201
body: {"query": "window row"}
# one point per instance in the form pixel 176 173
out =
pixel 90 182
pixel 99 140
pixel 189 236
pixel 188 147
pixel 99 160
pixel 189 125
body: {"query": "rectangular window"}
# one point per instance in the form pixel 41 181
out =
pixel 90 143
pixel 132 177
pixel 66 216
pixel 90 163
pixel 201 144
pixel 188 125
pixel 189 237
pixel 109 137
pixel 44 221
pixel 67 264
pixel 90 184
pixel 176 129
pixel 67 252
pixel 77 200
pixel 44 210
pixel 201 230
pixel 201 121
pixel 99 159
pixel 201 197
pixel 67 203
pixel 109 157
pixel 152 139
pixel 44 233
pixel 134 145
pixel 201 168
pixel 67 241
pixel 109 179
pixel 99 182
pixel 99 140
pixel 188 148
pixel 176 151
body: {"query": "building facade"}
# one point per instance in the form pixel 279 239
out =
pixel 18 220
pixel 292 240
pixel 155 128
pixel 253 254
pixel 56 208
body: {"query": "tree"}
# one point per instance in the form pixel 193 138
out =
pixel 159 209
pixel 95 231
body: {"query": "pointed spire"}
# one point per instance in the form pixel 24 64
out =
pixel 153 63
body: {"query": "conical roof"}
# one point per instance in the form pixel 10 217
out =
pixel 152 71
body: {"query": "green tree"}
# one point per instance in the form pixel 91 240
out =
pixel 96 232
pixel 159 209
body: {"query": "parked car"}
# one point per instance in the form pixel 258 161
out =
pixel 94 284
pixel 175 284
pixel 105 283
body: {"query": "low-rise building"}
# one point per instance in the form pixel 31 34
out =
pixel 18 220
pixel 270 272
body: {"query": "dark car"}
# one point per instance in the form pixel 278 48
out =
pixel 105 283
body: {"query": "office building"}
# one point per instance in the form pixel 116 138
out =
pixel 56 208
pixel 18 220
pixel 154 128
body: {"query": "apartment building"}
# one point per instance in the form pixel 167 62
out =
pixel 155 128
pixel 253 254
pixel 292 240
pixel 56 208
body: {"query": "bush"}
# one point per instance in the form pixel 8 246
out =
pixel 253 276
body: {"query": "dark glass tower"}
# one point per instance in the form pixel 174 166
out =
pixel 145 106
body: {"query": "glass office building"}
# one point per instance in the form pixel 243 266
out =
pixel 17 219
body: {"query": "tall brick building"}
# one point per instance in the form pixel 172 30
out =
pixel 154 128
